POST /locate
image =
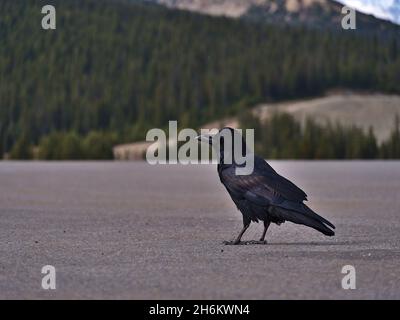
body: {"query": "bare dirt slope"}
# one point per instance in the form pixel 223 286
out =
pixel 362 110
pixel 350 109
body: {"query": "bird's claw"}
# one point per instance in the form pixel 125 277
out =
pixel 260 242
pixel 230 243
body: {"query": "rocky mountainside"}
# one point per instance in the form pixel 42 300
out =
pixel 321 14
pixel 384 9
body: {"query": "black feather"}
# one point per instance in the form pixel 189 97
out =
pixel 266 195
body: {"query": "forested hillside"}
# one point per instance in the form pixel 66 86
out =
pixel 113 69
pixel 283 137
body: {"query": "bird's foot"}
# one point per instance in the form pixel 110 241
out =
pixel 245 242
pixel 256 242
pixel 233 242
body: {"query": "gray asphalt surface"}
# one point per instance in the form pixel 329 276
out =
pixel 134 231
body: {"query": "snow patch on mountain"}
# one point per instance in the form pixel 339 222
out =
pixel 384 9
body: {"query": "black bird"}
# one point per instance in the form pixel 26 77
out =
pixel 264 194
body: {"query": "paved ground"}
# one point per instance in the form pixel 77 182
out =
pixel 129 230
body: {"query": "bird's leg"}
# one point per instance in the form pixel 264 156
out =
pixel 246 224
pixel 266 225
pixel 239 237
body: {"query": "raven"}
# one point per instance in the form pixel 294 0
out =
pixel 264 194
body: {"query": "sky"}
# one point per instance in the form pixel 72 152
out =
pixel 385 9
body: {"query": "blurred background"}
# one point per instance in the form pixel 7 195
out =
pixel 115 68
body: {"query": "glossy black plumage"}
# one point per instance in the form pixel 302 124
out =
pixel 265 195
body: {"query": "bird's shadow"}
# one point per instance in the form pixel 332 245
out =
pixel 312 243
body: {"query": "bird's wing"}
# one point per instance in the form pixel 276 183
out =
pixel 264 182
pixel 265 187
pixel 278 183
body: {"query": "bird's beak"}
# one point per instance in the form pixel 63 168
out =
pixel 207 138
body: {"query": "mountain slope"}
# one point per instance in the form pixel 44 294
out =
pixel 228 8
pixel 386 9
pixel 123 67
pixel 377 111
pixel 311 13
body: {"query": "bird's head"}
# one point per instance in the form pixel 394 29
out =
pixel 226 141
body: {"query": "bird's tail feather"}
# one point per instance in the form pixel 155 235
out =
pixel 306 218
pixel 302 208
pixel 318 217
